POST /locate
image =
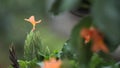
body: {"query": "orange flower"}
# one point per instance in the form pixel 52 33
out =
pixel 94 35
pixel 52 63
pixel 33 22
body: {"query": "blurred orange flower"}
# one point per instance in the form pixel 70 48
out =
pixel 94 35
pixel 52 63
pixel 33 22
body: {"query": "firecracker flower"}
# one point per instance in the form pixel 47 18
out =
pixel 52 63
pixel 97 39
pixel 33 22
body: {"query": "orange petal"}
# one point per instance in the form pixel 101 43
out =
pixel 39 21
pixel 32 20
pixel 104 48
pixel 95 47
pixel 99 46
pixel 87 39
pixel 85 33
pixel 52 63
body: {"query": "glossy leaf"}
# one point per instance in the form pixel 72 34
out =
pixel 106 16
pixel 83 51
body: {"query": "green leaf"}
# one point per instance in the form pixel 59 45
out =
pixel 83 51
pixel 106 14
pixel 75 49
pixel 63 5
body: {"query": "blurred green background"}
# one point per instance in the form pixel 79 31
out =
pixel 13 28
pixel 54 30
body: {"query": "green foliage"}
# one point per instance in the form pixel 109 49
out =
pixel 23 64
pixel 63 5
pixel 27 64
pixel 106 16
pixel 34 51
pixel 33 47
pixel 75 47
pixel 98 62
pixel 95 60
